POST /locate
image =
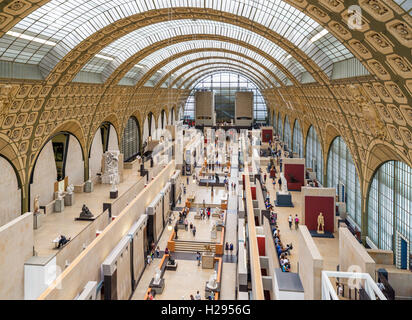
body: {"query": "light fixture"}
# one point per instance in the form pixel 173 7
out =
pixel 319 35
pixel 104 57
pixel 30 38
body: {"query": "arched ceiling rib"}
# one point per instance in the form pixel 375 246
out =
pixel 200 54
pixel 187 83
pixel 174 67
pixel 129 45
pixel 194 65
pixel 181 43
pixel 195 78
pixel 73 22
pixel 138 70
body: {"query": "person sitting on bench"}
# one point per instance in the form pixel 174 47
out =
pixel 62 241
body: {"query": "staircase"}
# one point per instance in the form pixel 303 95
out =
pixel 193 246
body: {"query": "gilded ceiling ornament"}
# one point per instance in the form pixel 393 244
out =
pixel 370 114
pixel 5 98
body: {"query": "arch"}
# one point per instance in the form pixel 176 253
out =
pixel 340 168
pixel 287 136
pixel 10 192
pixel 131 139
pixel 146 129
pixel 314 153
pixel 388 207
pixel 298 144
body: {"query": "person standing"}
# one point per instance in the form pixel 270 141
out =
pixel 280 183
pixel 290 222
pixel 158 252
pixel 231 248
pixel 227 247
pixel 197 296
pixel 296 222
pixel 198 258
pixel 194 231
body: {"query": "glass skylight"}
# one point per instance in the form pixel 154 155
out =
pixel 136 41
pixel 228 57
pixel 246 64
pixel 69 22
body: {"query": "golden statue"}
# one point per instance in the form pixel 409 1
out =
pixel 208 248
pixel 36 205
pixel 321 224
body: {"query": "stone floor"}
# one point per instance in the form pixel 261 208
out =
pixel 55 224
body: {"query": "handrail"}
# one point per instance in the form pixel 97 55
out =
pixel 253 246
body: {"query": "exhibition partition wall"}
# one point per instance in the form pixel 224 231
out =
pixel 315 202
pixel 117 272
pixel 294 170
pixel 136 234
pixel 267 134
pixel 155 223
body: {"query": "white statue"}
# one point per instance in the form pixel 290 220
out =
pixel 113 182
pixel 111 167
pixel 284 184
pixel 70 189
pixel 59 195
pixel 212 283
pixel 157 278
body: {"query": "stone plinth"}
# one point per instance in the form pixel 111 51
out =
pixel 158 288
pixel 69 199
pixel 59 205
pixel 208 261
pixel 88 187
pixel 37 220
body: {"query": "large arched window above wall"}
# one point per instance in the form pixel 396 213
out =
pixel 341 169
pixel 109 137
pixel 297 139
pixel 390 207
pixel 280 127
pixel 10 193
pixel 314 155
pixel 225 85
pixel 288 133
pixel 131 139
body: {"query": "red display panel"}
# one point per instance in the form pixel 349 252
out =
pixel 314 206
pixel 261 245
pixel 297 171
pixel 267 135
pixel 253 190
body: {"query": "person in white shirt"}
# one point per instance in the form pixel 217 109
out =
pixel 290 220
pixel 197 296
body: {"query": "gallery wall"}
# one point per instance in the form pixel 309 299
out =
pixel 10 194
pixel 74 162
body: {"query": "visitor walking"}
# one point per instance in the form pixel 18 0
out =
pixel 158 252
pixel 194 231
pixel 231 248
pixel 290 222
pixel 227 247
pixel 296 222
pixel 198 258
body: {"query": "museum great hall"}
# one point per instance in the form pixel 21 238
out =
pixel 205 150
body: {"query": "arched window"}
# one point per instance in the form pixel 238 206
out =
pixel 288 133
pixel 131 139
pixel 390 207
pixel 225 85
pixel 314 155
pixel 297 140
pixel 280 127
pixel 341 169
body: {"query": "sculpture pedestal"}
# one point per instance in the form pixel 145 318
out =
pixel 59 205
pixel 88 187
pixel 208 291
pixel 69 199
pixel 37 220
pixel 171 267
pixel 284 200
pixel 158 288
pixel 208 261
pixel 114 194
